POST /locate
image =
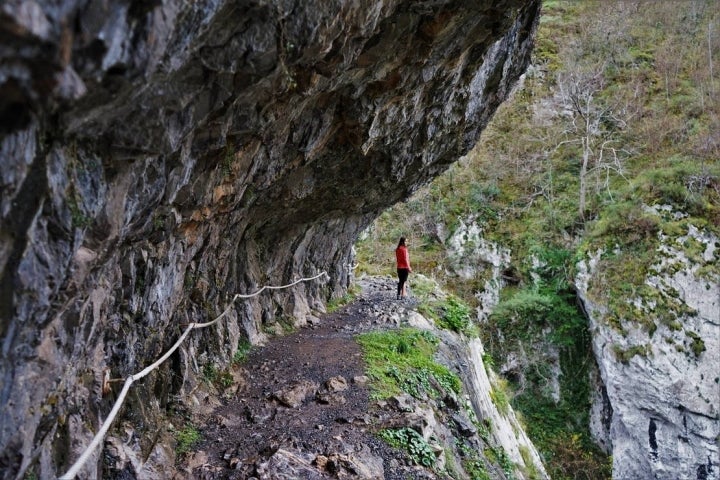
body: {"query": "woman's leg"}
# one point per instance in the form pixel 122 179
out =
pixel 402 278
pixel 400 284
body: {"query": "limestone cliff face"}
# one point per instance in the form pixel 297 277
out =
pixel 157 157
pixel 660 411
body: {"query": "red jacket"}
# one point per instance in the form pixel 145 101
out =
pixel 403 259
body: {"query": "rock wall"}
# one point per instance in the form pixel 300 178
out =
pixel 661 399
pixel 491 428
pixel 158 157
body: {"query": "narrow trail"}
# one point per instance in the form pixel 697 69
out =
pixel 303 411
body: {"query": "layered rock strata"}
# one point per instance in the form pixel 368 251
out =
pixel 158 157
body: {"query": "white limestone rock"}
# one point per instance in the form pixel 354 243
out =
pixel 471 255
pixel 664 401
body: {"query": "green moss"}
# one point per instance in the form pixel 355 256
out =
pixel 499 396
pixel 625 355
pixel 499 457
pixel 402 361
pixel 77 215
pixel 186 439
pixel 220 378
pixel 336 303
pixel 228 157
pixel 243 349
pixel 697 344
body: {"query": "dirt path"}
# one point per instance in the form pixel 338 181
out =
pixel 304 411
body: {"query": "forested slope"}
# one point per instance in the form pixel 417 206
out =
pixel 584 228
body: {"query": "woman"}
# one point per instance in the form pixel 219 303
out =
pixel 403 267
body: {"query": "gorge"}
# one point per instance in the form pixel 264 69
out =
pixel 158 157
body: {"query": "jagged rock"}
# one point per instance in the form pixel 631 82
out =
pixel 328 398
pixel 471 255
pixel 287 464
pixel 422 420
pixel 360 464
pixel 659 407
pixel 160 157
pixel 264 415
pixel 295 395
pixel 403 402
pixel 156 463
pixel 506 431
pixel 336 384
pixel 464 425
pixel 363 464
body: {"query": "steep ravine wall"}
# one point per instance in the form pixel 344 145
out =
pixel 157 157
pixel 661 405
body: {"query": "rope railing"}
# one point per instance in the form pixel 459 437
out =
pixel 100 435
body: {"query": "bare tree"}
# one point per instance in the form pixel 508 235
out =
pixel 592 123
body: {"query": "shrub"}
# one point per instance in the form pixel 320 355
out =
pixel 456 315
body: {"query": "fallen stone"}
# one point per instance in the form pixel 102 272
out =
pixel 321 462
pixel 295 395
pixel 363 464
pixel 337 384
pixel 289 465
pixel 330 398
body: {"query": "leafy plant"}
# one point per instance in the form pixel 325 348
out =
pixel 222 379
pixel 472 462
pixel 500 457
pixel 243 349
pixel 186 438
pixel 411 442
pixel 456 315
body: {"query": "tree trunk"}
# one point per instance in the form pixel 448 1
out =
pixel 583 177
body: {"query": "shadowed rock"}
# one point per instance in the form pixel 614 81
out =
pixel 158 157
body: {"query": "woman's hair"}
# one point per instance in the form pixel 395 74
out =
pixel 401 242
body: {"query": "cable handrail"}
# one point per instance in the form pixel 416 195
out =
pixel 100 435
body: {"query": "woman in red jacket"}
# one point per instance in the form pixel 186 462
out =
pixel 403 267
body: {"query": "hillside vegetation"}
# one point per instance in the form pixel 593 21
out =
pixel 615 129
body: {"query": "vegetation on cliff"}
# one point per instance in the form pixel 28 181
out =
pixel 611 142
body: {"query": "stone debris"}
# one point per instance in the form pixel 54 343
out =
pixel 465 427
pixel 295 395
pixel 329 398
pixel 337 384
pixel 322 425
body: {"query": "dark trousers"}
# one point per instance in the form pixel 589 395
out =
pixel 402 278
